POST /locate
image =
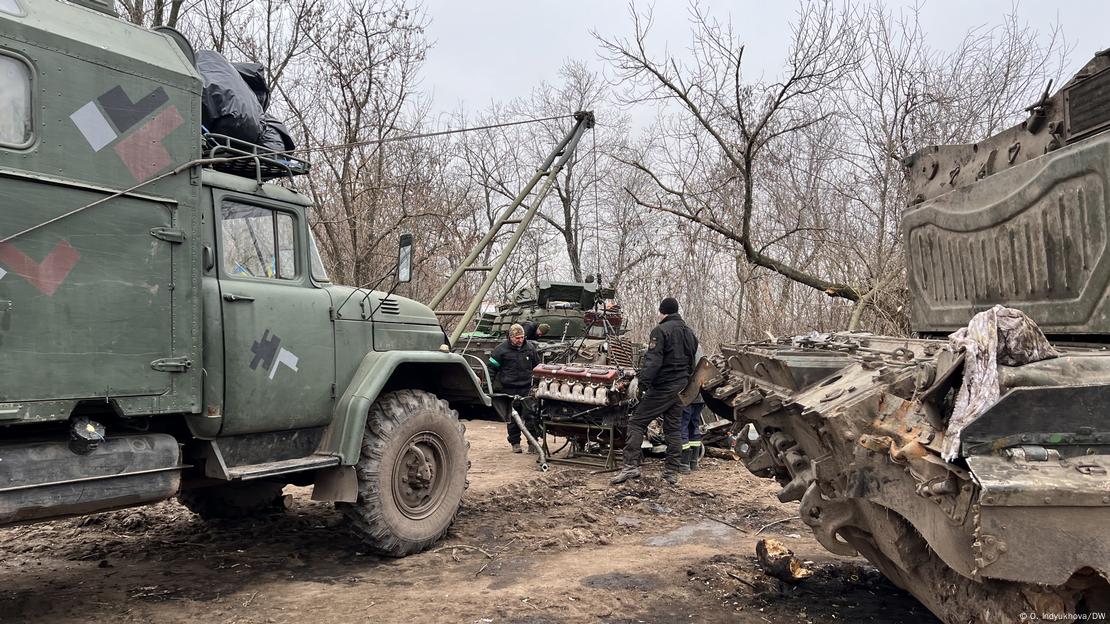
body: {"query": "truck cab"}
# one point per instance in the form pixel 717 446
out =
pixel 167 327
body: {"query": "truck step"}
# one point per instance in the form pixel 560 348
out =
pixel 269 469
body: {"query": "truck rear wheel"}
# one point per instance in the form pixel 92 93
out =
pixel 411 475
pixel 233 500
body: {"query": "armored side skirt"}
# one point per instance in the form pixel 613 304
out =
pixel 47 480
pixel 1053 513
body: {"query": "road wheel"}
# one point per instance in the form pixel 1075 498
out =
pixel 411 474
pixel 234 500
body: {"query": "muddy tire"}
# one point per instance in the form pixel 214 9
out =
pixel 411 475
pixel 234 500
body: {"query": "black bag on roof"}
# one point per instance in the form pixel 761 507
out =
pixel 275 136
pixel 254 74
pixel 228 105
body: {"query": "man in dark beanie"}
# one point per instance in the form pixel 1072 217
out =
pixel 668 364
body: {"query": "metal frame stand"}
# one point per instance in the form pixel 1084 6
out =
pixel 577 458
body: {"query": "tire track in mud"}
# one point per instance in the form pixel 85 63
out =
pixel 590 541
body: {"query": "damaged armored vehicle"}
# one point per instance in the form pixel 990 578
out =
pixel 972 470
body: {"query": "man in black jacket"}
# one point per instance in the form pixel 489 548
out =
pixel 668 364
pixel 513 361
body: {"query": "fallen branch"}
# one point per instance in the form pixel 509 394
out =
pixel 728 524
pixel 463 546
pixel 749 584
pixel 499 552
pixel 769 525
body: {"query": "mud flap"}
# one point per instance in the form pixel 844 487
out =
pixel 338 484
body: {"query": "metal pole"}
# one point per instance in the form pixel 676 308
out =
pixel 545 169
pixel 585 120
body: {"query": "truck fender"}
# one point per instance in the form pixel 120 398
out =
pixel 447 375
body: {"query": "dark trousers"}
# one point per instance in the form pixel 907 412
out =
pixel 691 423
pixel 656 403
pixel 527 410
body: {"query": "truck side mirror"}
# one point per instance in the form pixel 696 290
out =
pixel 404 259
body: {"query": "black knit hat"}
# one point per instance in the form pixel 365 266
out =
pixel 668 306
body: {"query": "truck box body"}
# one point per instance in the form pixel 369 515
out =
pixel 100 304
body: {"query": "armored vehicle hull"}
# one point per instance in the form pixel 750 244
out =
pixel 974 477
pixel 852 426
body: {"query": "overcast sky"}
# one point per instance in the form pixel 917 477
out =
pixel 495 50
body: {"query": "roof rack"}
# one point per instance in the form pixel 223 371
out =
pixel 254 161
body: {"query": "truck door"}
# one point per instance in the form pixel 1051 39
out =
pixel 279 365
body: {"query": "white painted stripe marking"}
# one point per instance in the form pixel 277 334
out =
pixel 284 357
pixel 92 124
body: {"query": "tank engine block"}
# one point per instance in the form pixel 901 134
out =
pixel 587 385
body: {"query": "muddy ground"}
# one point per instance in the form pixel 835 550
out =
pixel 561 547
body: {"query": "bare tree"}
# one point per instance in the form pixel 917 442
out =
pixel 357 91
pixel 742 119
pixel 803 175
pixel 213 24
pixel 906 95
pixel 160 13
pixel 577 188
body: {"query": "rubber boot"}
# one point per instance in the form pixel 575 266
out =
pixel 684 461
pixel 695 456
pixel 626 473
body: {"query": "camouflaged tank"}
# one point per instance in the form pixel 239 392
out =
pixel 972 471
pixel 585 385
pixel 586 326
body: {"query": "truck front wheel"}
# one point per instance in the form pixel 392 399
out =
pixel 411 474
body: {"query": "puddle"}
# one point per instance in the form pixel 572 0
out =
pixel 704 532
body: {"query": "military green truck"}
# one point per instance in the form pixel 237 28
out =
pixel 166 325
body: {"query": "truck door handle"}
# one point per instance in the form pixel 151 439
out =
pixel 233 298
